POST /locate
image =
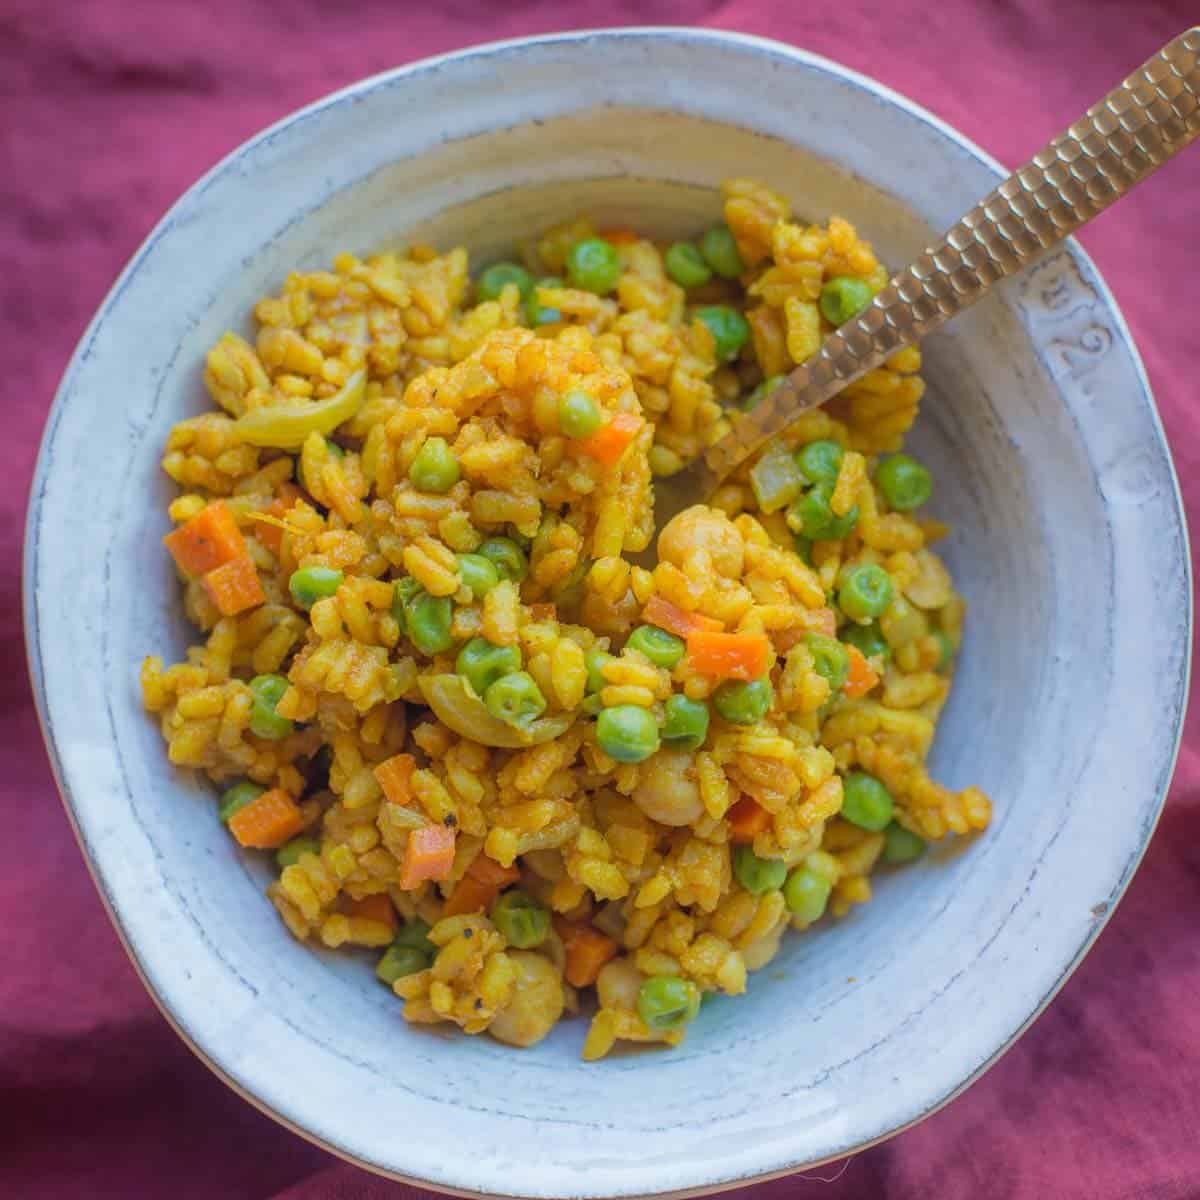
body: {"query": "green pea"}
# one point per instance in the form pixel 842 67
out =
pixel 686 266
pixel 757 875
pixel 481 663
pixel 761 392
pixel 428 619
pixel 627 733
pixel 435 469
pixel 843 297
pixel 415 935
pixel 905 484
pixel 506 556
pixel 663 649
pixel 288 855
pixel 728 328
pixel 868 639
pixel 685 723
pixel 866 802
pixel 539 314
pixel 945 651
pixel 901 845
pixel 743 703
pixel 515 699
pixel 521 919
pixel 579 416
pixel 820 462
pixel 666 1002
pixel 595 660
pixel 477 573
pixel 721 253
pixel 237 797
pixel 806 894
pixel 495 278
pixel 265 722
pixel 333 449
pixel 830 659
pixel 866 591
pixel 310 584
pixel 593 266
pixel 812 516
pixel 398 961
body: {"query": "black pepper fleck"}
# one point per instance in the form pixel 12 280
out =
pixel 450 820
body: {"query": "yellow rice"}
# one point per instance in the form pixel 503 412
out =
pixel 641 851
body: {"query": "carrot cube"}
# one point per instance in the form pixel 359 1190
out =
pixel 586 949
pixel 377 907
pixel 743 656
pixel 610 441
pixel 429 854
pixel 267 821
pixel 210 539
pixel 665 615
pixel 234 586
pixel 747 819
pixel 394 775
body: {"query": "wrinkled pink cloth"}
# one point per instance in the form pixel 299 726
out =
pixel 108 110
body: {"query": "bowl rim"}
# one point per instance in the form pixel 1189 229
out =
pixel 792 55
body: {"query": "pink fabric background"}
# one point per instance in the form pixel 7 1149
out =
pixel 108 110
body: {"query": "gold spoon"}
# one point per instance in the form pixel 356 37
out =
pixel 1116 144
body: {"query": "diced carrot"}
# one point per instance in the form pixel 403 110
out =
pixel 620 237
pixel 267 821
pixel 482 883
pixel 234 586
pixel 429 854
pixel 812 620
pixel 747 819
pixel 861 677
pixel 729 655
pixel 394 775
pixel 271 535
pixel 587 950
pixel 210 539
pixel 378 907
pixel 543 612
pixel 469 895
pixel 489 871
pixel 610 441
pixel 678 621
pixel 268 534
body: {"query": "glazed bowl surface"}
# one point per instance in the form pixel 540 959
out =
pixel 1069 544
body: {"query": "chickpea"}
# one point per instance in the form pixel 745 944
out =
pixel 703 529
pixel 667 790
pixel 537 1001
pixel 618 984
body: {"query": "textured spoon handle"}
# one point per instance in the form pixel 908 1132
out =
pixel 1148 119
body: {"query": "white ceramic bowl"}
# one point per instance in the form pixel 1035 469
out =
pixel 1069 543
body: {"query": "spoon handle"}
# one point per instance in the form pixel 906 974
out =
pixel 1128 135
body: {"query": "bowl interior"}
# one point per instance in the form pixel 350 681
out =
pixel 1048 463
